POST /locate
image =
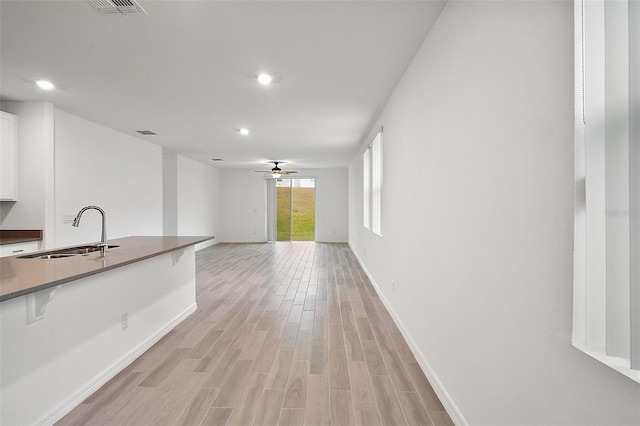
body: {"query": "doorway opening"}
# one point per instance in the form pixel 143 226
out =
pixel 295 215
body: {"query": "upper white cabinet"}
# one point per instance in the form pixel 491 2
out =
pixel 8 157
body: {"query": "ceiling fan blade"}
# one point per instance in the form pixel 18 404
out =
pixel 288 172
pixel 262 171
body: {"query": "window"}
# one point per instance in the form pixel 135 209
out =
pixel 376 184
pixel 366 179
pixel 372 185
pixel 606 323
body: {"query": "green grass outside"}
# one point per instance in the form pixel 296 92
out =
pixel 304 221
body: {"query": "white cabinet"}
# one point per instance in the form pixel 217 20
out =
pixel 18 249
pixel 8 157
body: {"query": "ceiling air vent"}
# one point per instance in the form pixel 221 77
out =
pixel 146 132
pixel 123 7
pixel 216 159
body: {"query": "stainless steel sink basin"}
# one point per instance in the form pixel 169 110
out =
pixel 81 249
pixel 47 256
pixel 65 252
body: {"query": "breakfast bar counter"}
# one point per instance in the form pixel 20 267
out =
pixel 21 275
pixel 71 321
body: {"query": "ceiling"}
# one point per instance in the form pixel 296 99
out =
pixel 187 71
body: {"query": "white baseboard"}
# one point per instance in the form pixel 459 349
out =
pixel 446 400
pixel 107 374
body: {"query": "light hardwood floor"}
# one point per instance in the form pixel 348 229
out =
pixel 285 334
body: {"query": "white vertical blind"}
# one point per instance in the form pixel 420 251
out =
pixel 580 235
pixel 376 184
pixel 634 178
pixel 271 209
pixel 366 180
pixel 617 176
pixel 594 94
pixel 607 241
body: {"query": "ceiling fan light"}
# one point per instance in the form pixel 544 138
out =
pixel 45 85
pixel 276 175
pixel 265 79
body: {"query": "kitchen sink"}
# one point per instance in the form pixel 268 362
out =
pixel 47 256
pixel 81 250
pixel 65 252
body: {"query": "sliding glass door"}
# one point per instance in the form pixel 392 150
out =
pixel 295 202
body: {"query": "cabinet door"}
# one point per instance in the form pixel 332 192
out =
pixel 8 157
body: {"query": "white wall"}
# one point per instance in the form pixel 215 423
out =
pixel 35 166
pixel 128 177
pixel 169 192
pixel 478 219
pixel 244 205
pixel 117 172
pixel 331 204
pixel 198 200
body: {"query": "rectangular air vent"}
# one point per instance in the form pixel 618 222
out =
pixel 216 159
pixel 146 132
pixel 123 7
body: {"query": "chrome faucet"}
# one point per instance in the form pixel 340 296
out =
pixel 103 240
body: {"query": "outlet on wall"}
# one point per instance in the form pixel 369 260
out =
pixel 124 320
pixel 68 218
pixel 393 286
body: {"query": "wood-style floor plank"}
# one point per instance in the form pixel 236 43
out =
pixel 292 417
pixel 388 403
pixel 303 346
pixel 372 355
pixel 163 370
pixel 270 407
pixel 230 390
pixel 217 416
pixel 364 403
pixel 280 370
pixel 397 371
pixel 296 392
pixel 413 409
pixel 285 334
pixel 424 388
pixel 247 405
pixel 317 410
pixel 342 413
pixel 198 407
pixel 339 378
pixel 222 370
pixel 165 402
pixel 353 346
pixel 319 347
pixel 441 418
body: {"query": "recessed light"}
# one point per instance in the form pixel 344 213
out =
pixel 265 79
pixel 244 131
pixel 45 85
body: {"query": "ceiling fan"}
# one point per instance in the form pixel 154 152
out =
pixel 276 171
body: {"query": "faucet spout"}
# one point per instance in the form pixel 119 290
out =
pixel 104 246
